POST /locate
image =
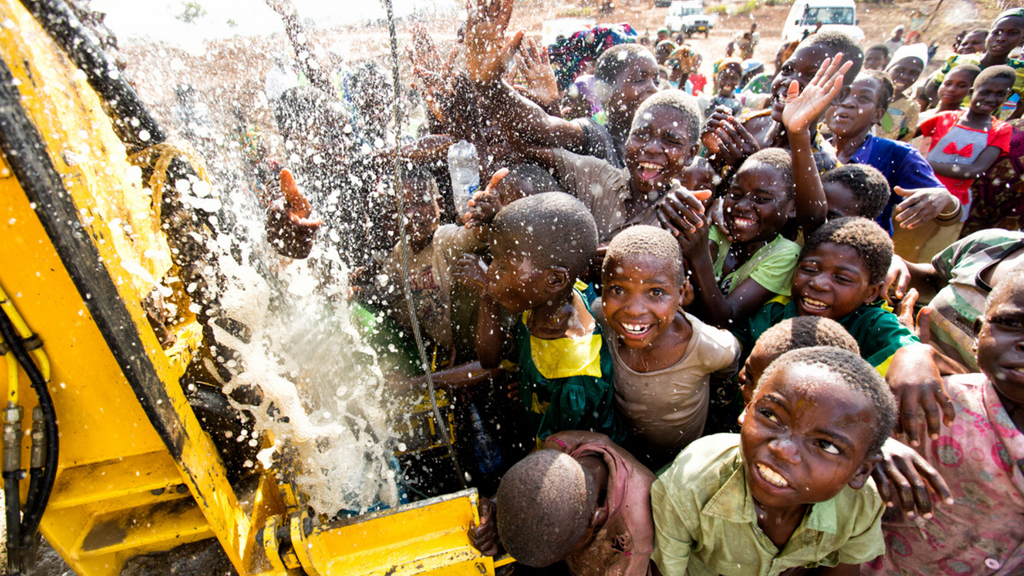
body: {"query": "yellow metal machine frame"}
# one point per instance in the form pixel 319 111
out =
pixel 80 247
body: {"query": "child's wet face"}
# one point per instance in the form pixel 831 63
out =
pixel 875 60
pixel 905 72
pixel 1001 346
pixel 955 87
pixel 422 216
pixel 990 95
pixel 801 66
pixel 637 82
pixel 758 204
pixel 841 201
pixel 658 149
pixel 832 281
pixel 858 111
pixel 972 43
pixel 512 280
pixel 640 298
pixel 1005 35
pixel 804 437
pixel 728 80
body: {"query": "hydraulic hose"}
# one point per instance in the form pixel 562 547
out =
pixel 34 508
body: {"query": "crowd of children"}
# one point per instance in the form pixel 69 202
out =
pixel 693 299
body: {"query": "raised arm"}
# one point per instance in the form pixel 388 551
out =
pixel 300 43
pixel 487 52
pixel 802 111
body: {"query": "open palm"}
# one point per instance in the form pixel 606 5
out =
pixel 802 108
pixel 487 49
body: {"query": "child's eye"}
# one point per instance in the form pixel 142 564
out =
pixel 829 447
pixel 769 415
pixel 615 290
pixel 1015 323
pixel 808 269
pixel 657 292
pixel 845 279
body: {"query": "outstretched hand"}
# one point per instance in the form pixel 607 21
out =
pixel 289 228
pixel 471 271
pixel 682 210
pixel 907 481
pixel 921 205
pixel 485 204
pixel 487 49
pixel 541 84
pixel 804 107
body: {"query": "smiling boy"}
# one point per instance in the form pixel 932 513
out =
pixel 665 359
pixel 918 196
pixel 793 489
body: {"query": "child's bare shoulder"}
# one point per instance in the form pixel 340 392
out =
pixel 714 345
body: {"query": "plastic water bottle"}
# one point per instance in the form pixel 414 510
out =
pixel 488 457
pixel 464 167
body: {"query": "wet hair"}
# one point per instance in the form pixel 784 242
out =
pixel 536 177
pixel 995 72
pixel 616 59
pixel 834 42
pixel 867 185
pixel 805 332
pixel 682 102
pixel 422 182
pixel 778 159
pixel 545 503
pixel 1011 283
pixel 886 87
pixel 882 47
pixel 973 69
pixel 646 241
pixel 867 238
pixel 852 371
pixel 302 107
pixel 552 229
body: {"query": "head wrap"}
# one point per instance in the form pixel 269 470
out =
pixel 919 51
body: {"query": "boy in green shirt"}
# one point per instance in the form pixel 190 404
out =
pixel 793 489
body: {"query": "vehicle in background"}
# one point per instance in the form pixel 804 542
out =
pixel 688 17
pixel 662 3
pixel 832 14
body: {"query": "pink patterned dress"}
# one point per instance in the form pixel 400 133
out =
pixel 981 457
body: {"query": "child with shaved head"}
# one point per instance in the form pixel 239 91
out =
pixel 581 499
pixel 540 245
pixel 665 359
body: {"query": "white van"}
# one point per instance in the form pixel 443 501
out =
pixel 833 15
pixel 688 17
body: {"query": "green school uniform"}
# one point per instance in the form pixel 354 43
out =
pixel 877 331
pixel 705 522
pixel 567 383
pixel 772 266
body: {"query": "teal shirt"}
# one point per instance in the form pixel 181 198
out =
pixel 705 523
pixel 567 383
pixel 877 331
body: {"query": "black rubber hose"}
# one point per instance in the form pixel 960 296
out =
pixel 34 509
pixel 13 505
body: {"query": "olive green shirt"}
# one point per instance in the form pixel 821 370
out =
pixel 705 523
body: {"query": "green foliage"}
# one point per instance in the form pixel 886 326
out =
pixel 721 10
pixel 748 7
pixel 191 12
pixel 580 12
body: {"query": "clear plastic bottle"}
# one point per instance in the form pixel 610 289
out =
pixel 464 167
pixel 488 456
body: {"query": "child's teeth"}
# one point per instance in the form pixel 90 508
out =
pixel 635 328
pixel 812 303
pixel 772 477
pixel 650 166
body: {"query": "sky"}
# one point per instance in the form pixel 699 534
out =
pixel 156 19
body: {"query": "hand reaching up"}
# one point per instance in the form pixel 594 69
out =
pixel 802 108
pixel 289 228
pixel 485 204
pixel 487 49
pixel 682 210
pixel 541 84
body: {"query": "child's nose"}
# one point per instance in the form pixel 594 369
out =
pixel 785 449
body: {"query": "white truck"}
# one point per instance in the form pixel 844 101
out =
pixel 688 17
pixel 832 14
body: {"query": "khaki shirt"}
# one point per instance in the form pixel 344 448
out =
pixel 705 522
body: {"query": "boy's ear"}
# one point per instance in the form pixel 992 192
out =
pixel 599 518
pixel 693 153
pixel 864 471
pixel 879 114
pixel 970 93
pixel 874 292
pixel 558 278
pixel 791 212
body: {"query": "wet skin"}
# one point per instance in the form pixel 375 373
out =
pixel 758 204
pixel 1001 351
pixel 832 281
pixel 658 150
